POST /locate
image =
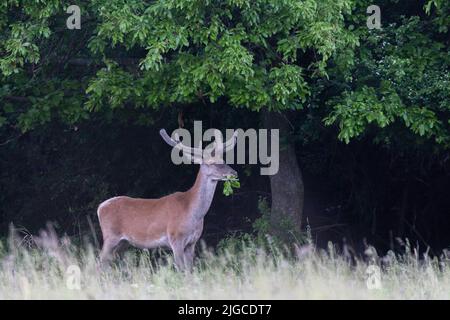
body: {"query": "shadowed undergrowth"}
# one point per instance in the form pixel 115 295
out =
pixel 48 267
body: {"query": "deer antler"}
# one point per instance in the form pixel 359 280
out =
pixel 228 145
pixel 192 152
pixel 197 153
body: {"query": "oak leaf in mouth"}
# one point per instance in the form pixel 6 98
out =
pixel 230 183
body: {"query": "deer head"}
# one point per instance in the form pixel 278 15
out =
pixel 212 162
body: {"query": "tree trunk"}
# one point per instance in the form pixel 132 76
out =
pixel 287 190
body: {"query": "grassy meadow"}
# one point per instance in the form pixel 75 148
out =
pixel 48 267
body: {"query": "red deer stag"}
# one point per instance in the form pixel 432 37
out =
pixel 174 221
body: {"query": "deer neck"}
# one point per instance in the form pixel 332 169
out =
pixel 201 193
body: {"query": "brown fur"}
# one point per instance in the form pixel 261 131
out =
pixel 174 221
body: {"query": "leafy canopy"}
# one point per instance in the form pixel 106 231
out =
pixel 254 54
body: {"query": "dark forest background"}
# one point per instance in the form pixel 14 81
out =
pixel 364 113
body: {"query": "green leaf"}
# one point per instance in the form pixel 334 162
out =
pixel 230 183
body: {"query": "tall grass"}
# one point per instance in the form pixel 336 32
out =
pixel 46 268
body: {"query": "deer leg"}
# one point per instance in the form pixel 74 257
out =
pixel 121 247
pixel 189 256
pixel 178 255
pixel 108 246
